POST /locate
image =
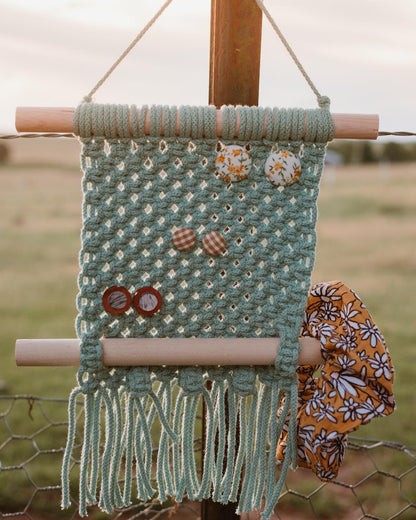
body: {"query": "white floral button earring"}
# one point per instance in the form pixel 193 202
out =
pixel 282 168
pixel 233 162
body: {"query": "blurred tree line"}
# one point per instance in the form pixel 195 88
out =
pixel 348 151
pixel 370 151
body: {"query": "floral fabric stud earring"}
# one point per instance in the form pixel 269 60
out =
pixel 282 168
pixel 233 163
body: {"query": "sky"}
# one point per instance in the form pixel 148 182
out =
pixel 361 53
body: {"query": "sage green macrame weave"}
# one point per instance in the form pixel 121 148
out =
pixel 137 190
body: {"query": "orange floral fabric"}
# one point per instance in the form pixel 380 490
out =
pixel 356 378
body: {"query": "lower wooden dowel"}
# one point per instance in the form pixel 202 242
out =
pixel 164 351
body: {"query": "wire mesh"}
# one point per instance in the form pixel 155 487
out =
pixel 377 480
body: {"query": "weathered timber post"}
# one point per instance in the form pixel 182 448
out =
pixel 233 80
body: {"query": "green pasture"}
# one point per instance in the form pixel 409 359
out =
pixel 366 238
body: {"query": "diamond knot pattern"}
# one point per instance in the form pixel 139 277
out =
pixel 164 185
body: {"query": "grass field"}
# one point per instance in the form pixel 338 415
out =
pixel 366 238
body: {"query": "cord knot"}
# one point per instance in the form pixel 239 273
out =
pixel 190 380
pixel 117 379
pixel 244 380
pixel 269 375
pixel 165 374
pixel 89 382
pixel 219 373
pixel 324 102
pixel 138 381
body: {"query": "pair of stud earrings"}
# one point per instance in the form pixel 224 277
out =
pixel 233 164
pixel 213 242
pixel 146 300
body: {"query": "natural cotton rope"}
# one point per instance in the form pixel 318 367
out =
pixel 323 101
pixel 88 97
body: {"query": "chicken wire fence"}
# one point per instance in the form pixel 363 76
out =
pixel 377 480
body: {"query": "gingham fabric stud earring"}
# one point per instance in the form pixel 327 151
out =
pixel 184 239
pixel 213 243
pixel 282 168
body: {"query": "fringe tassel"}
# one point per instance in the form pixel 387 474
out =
pixel 92 492
pixel 220 426
pixel 143 445
pixel 208 463
pixel 257 473
pixel 105 503
pixel 129 433
pixel 272 497
pixel 231 441
pixel 242 414
pixel 132 411
pixel 115 492
pixel 248 453
pixel 163 475
pixel 66 502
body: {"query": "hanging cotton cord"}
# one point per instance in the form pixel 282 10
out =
pixel 323 101
pixel 88 97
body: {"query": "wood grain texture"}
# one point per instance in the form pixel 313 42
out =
pixel 164 351
pixel 235 52
pixel 50 119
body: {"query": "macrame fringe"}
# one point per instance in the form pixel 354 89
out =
pixel 128 413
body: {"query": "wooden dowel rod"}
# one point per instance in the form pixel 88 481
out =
pixel 60 120
pixel 164 351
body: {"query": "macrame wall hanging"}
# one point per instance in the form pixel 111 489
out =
pixel 190 235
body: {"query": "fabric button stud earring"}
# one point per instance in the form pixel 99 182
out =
pixel 147 301
pixel 116 299
pixel 233 163
pixel 184 239
pixel 213 243
pixel 282 168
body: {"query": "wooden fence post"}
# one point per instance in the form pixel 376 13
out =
pixel 233 80
pixel 235 52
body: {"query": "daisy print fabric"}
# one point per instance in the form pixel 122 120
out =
pixel 356 379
